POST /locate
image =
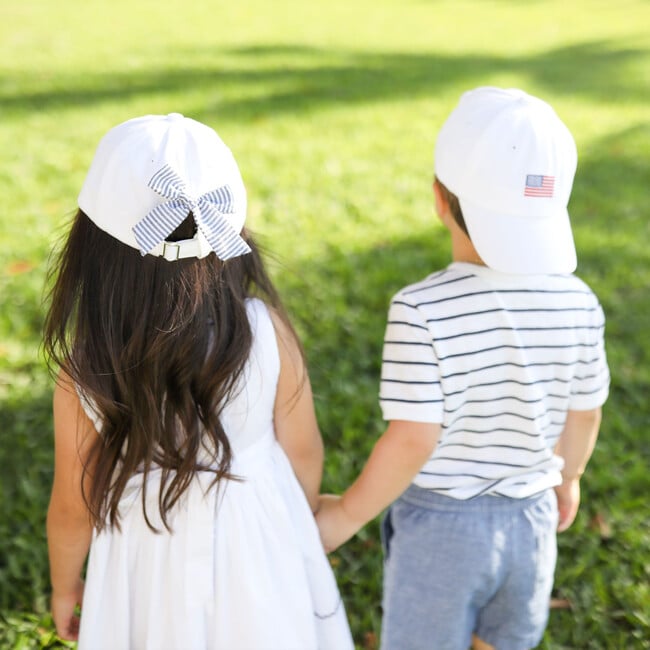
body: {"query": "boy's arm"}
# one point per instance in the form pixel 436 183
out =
pixel 575 446
pixel 396 458
pixel 69 527
pixel 294 416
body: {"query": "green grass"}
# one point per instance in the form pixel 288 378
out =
pixel 331 109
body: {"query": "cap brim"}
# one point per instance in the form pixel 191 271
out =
pixel 521 245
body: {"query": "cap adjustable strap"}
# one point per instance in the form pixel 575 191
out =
pixel 177 250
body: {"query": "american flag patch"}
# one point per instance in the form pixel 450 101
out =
pixel 539 185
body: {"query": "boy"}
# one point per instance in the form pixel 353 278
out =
pixel 493 376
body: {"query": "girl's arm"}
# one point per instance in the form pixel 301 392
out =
pixel 575 446
pixel 396 458
pixel 69 526
pixel 294 416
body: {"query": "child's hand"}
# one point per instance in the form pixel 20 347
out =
pixel 568 501
pixel 334 524
pixel 64 614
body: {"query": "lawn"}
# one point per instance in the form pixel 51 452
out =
pixel 331 108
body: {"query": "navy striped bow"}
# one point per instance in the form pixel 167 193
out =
pixel 208 210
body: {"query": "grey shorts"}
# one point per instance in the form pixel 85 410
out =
pixel 453 568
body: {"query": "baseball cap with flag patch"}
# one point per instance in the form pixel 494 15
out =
pixel 150 172
pixel 511 161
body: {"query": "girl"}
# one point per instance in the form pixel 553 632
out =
pixel 187 454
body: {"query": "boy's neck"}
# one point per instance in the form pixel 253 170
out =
pixel 462 249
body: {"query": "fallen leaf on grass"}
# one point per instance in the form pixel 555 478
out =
pixel 370 641
pixel 18 267
pixel 601 525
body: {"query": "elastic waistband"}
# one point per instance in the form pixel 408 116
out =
pixel 435 501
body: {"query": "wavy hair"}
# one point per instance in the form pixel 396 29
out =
pixel 158 348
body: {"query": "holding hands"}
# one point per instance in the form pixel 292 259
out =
pixel 396 458
pixel 335 525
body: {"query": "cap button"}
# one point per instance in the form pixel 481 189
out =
pixel 173 117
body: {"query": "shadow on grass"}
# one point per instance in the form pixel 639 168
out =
pixel 294 79
pixel 25 481
pixel 611 219
pixel 340 303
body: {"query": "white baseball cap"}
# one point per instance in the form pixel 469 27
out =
pixel 510 160
pixel 150 172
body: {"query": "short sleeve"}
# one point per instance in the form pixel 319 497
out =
pixel 410 377
pixel 590 385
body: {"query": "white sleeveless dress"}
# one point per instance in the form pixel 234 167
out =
pixel 244 568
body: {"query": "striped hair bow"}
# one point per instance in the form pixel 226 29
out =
pixel 208 210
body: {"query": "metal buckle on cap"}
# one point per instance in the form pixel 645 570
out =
pixel 178 250
pixel 174 251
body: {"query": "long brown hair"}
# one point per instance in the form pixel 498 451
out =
pixel 158 348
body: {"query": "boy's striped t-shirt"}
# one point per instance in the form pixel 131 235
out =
pixel 498 360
